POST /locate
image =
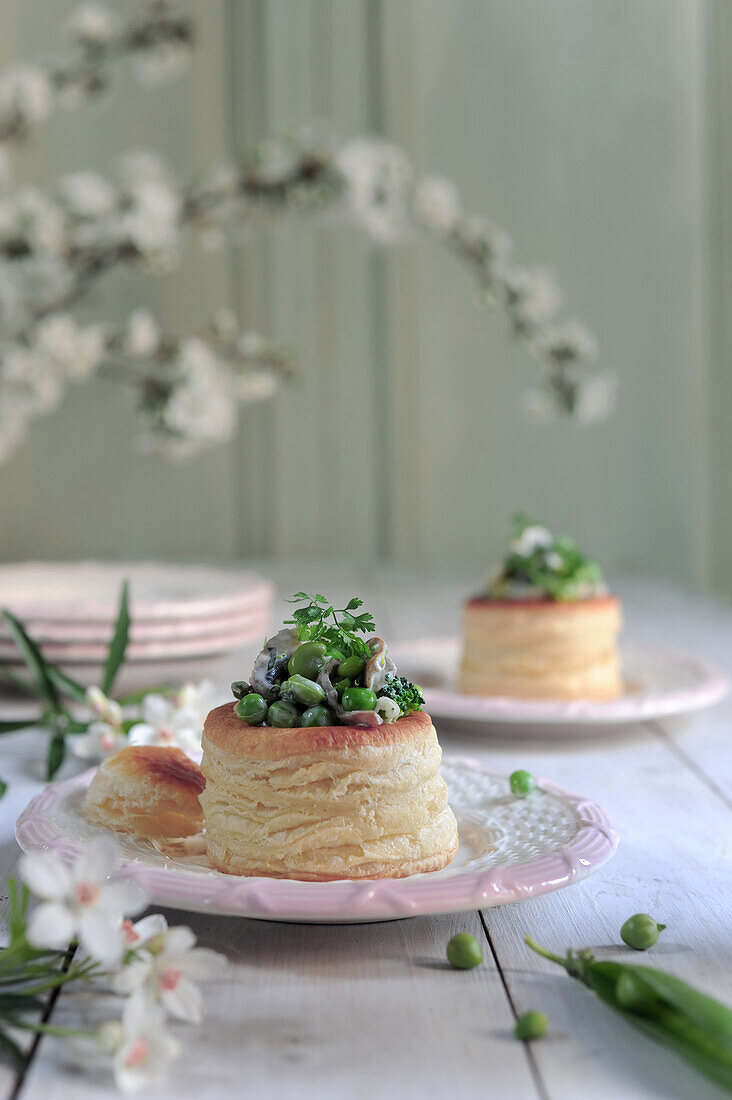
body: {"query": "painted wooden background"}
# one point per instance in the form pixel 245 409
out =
pixel 583 129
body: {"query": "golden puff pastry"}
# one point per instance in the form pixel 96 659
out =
pixel 147 790
pixel 542 649
pixel 325 802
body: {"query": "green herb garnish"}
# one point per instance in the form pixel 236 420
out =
pixel 320 621
pixel 554 566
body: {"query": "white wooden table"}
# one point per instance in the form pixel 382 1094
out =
pixel 373 1011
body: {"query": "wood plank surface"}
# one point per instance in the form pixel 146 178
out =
pixel 372 1010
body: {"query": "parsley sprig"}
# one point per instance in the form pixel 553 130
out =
pixel 320 621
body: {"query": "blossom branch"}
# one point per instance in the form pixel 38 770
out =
pixel 159 41
pixel 54 248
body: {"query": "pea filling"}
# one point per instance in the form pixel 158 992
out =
pixel 318 670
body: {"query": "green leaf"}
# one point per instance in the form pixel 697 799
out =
pixel 56 755
pixel 19 683
pixel 34 660
pixel 66 684
pixel 118 645
pixel 10 1051
pixel 3 787
pixel 18 908
pixel 11 727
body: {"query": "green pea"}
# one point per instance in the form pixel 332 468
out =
pixel 635 995
pixel 640 931
pixel 282 714
pixel 464 952
pixel 317 716
pixel 303 690
pixel 351 667
pixel 522 783
pixel 358 699
pixel 240 688
pixel 307 660
pixel 334 653
pixel 341 685
pixel 252 709
pixel 532 1025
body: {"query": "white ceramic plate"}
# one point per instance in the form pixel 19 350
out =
pixel 657 685
pixel 95 634
pixel 88 591
pixel 168 649
pixel 510 849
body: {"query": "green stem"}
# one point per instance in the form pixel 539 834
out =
pixel 52 1029
pixel 531 942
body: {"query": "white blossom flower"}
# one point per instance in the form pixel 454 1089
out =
pixel 531 539
pixel 377 177
pixel 596 398
pixel 142 1048
pixel 101 739
pixel 533 295
pixel 437 204
pixel 276 160
pixel 137 933
pixel 554 560
pixel 90 349
pixel 153 221
pixel 166 966
pixel 108 710
pixel 27 91
pixel 197 698
pixel 251 344
pixel 56 336
pixel 79 901
pixel 77 350
pixel 482 236
pixel 31 379
pixel 36 217
pixel 161 65
pixel 104 736
pixel 570 342
pixel 142 338
pixel 166 723
pixel 201 407
pixel 93 24
pixel 88 194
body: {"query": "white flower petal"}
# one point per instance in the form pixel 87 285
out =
pixel 97 859
pixel 125 899
pixel 50 925
pixel 44 874
pixel 184 1002
pixel 100 937
pixel 202 963
pixel 156 709
pixel 179 940
pixel 145 929
pixel 132 976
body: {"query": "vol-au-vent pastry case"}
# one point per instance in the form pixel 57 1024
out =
pixel 326 766
pixel 545 627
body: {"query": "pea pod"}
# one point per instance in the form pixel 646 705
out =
pixel 697 1027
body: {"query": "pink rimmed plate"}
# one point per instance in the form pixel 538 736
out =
pixel 510 849
pixel 657 684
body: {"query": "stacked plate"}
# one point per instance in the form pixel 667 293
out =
pixel 187 620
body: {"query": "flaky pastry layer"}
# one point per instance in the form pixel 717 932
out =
pixel 542 649
pixel 325 802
